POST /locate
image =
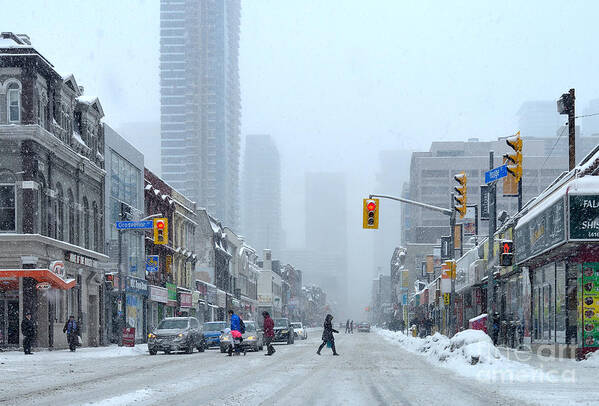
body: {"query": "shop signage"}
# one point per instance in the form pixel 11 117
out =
pixel 57 267
pixel 129 337
pixel 265 299
pixel 172 294
pixel 43 286
pixel 137 286
pixel 152 263
pixel 542 232
pixel 584 217
pixel 185 299
pixel 484 202
pixel 158 294
pixel 212 294
pixel 169 264
pixel 81 259
pixel 589 316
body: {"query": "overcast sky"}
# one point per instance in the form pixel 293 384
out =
pixel 335 82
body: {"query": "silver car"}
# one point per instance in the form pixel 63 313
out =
pixel 177 334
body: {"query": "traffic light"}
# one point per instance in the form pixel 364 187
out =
pixel 507 253
pixel 461 199
pixel 370 218
pixel 515 161
pixel 160 231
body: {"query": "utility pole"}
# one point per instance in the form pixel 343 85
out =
pixel 491 242
pixel 572 131
pixel 121 307
pixel 452 220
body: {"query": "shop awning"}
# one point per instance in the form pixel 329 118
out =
pixel 9 278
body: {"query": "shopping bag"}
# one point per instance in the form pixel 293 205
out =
pixel 79 341
pixel 329 344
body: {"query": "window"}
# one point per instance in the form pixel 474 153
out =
pixel 14 102
pixel 71 207
pixel 85 223
pixel 59 213
pixel 7 207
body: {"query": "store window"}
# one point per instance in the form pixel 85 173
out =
pixel 8 213
pixel 14 102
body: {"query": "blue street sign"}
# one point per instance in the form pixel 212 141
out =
pixel 404 299
pixel 152 262
pixel 135 225
pixel 496 173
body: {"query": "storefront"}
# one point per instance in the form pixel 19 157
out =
pixel 135 310
pixel 556 244
pixel 158 299
pixel 184 302
pixel 172 300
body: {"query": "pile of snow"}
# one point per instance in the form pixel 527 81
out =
pixel 591 360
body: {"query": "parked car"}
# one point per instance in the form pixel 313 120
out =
pixel 177 334
pixel 212 332
pixel 299 331
pixel 283 331
pixel 364 327
pixel 252 338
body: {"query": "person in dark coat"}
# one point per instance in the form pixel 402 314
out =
pixel 347 326
pixel 269 333
pixel 327 334
pixel 71 327
pixel 28 330
pixel 351 327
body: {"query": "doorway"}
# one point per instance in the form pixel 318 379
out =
pixel 9 322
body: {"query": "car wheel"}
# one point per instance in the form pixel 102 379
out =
pixel 153 352
pixel 294 335
pixel 260 348
pixel 222 350
pixel 201 347
pixel 189 349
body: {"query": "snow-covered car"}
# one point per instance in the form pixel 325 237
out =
pixel 283 331
pixel 177 334
pixel 299 331
pixel 364 327
pixel 212 331
pixel 252 338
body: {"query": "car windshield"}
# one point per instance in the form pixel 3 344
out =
pixel 250 327
pixel 281 322
pixel 215 326
pixel 172 324
pixel 296 325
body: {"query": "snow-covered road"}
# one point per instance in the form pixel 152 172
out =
pixel 370 371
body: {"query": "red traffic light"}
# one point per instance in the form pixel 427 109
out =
pixel 371 206
pixel 160 225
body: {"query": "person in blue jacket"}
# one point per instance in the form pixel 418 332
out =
pixel 235 324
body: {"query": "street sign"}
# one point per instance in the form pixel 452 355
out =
pixel 135 225
pixel 445 248
pixel 496 173
pixel 404 299
pixel 484 202
pixel 152 263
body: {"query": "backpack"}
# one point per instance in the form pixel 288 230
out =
pixel 241 326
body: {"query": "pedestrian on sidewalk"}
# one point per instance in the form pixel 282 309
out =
pixel 347 326
pixel 269 333
pixel 327 335
pixel 28 330
pixel 351 327
pixel 71 327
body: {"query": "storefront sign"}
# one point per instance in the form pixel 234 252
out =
pixel 172 294
pixel 589 308
pixel 57 267
pixel 129 337
pixel 158 294
pixel 169 264
pixel 137 286
pixel 81 259
pixel 264 299
pixel 584 217
pixel 542 232
pixel 484 202
pixel 185 299
pixel 43 286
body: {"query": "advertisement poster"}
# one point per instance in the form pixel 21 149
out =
pixel 590 304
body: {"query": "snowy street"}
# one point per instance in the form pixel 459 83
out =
pixel 371 370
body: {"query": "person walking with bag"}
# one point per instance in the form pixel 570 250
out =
pixel 71 327
pixel 269 333
pixel 327 335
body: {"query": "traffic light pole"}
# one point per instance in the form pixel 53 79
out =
pixel 450 319
pixel 491 244
pixel 571 132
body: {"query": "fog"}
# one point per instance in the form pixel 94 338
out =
pixel 336 83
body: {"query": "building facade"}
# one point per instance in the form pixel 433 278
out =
pixel 261 191
pixel 200 102
pixel 51 197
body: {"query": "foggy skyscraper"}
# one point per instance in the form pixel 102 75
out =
pixel 261 187
pixel 200 102
pixel 538 118
pixel 326 232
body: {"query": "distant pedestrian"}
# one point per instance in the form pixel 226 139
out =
pixel 269 333
pixel 28 330
pixel 71 327
pixel 351 327
pixel 347 326
pixel 327 335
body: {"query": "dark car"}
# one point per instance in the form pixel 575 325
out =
pixel 283 331
pixel 212 332
pixel 364 327
pixel 177 334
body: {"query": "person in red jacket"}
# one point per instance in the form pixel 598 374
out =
pixel 269 333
